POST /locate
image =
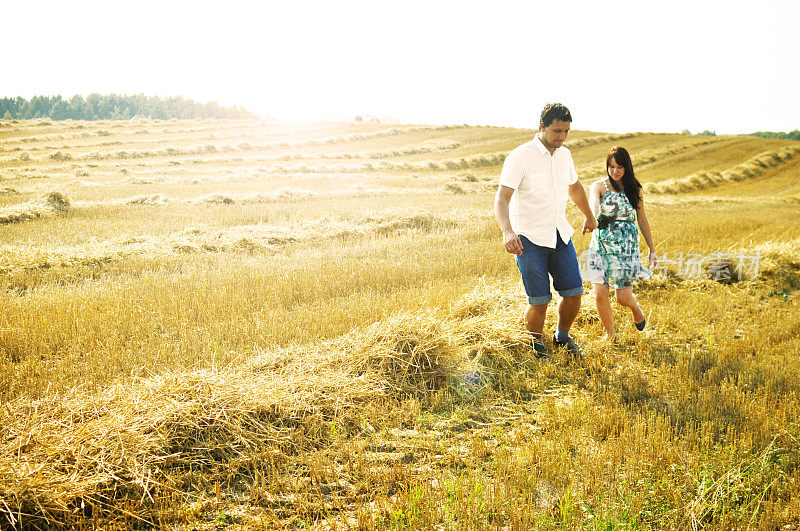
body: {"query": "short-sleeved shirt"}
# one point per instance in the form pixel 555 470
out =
pixel 541 189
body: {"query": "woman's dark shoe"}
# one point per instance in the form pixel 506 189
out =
pixel 640 326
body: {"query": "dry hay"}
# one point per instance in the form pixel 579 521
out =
pixel 53 202
pixel 247 239
pixel 282 195
pixel 58 156
pixel 57 201
pixel 355 137
pixel 474 161
pixel 643 158
pixel 780 264
pixel 430 146
pixel 117 452
pixel 598 139
pixel 219 199
pixel 207 149
pixel 417 354
pixel 485 299
pixel 750 169
pixel 479 160
pixel 234 130
pixel 153 199
pixel 114 451
pixel 401 219
pixel 776 264
pixel 706 199
pixel 289 194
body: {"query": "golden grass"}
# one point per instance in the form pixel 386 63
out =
pixel 461 163
pixel 245 147
pixel 753 168
pixel 719 154
pixel 780 182
pixel 205 342
pixel 249 239
pixel 597 169
pixel 143 441
pixel 130 437
pixel 750 169
pixel 384 154
pixel 68 457
pixel 50 206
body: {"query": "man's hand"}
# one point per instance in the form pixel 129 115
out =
pixel 512 243
pixel 589 224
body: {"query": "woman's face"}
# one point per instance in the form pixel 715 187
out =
pixel 615 171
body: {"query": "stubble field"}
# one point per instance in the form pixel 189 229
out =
pixel 212 324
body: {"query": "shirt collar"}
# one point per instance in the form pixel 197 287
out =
pixel 542 149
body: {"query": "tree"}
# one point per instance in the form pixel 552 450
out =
pixel 77 108
pixel 114 107
pixel 59 110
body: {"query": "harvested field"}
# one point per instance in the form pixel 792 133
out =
pixel 233 324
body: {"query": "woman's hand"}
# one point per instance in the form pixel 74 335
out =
pixel 653 259
pixel 589 224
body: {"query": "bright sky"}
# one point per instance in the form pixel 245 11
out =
pixel 726 65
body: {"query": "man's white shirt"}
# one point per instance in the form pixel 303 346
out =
pixel 541 189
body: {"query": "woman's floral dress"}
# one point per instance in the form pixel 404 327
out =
pixel 613 258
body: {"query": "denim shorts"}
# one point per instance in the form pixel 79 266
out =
pixel 561 263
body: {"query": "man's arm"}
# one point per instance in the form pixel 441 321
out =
pixel 594 198
pixel 578 195
pixel 511 241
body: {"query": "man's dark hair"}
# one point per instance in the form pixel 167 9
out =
pixel 554 111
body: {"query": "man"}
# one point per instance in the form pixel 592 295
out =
pixel 530 207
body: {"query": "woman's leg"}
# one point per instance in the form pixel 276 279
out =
pixel 626 298
pixel 601 297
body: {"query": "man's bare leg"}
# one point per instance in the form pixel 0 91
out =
pixel 567 311
pixel 534 319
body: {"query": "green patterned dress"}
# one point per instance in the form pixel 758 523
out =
pixel 613 258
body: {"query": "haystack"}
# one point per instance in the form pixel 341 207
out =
pixel 57 201
pixel 116 453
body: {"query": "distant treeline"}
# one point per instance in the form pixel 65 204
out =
pixel 794 135
pixel 113 107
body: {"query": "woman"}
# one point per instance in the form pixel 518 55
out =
pixel 618 204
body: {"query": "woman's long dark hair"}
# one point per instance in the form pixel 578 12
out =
pixel 630 185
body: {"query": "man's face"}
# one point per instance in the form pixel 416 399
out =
pixel 555 134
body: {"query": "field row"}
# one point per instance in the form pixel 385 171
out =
pixel 750 169
pixel 33 132
pixel 253 239
pixel 74 152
